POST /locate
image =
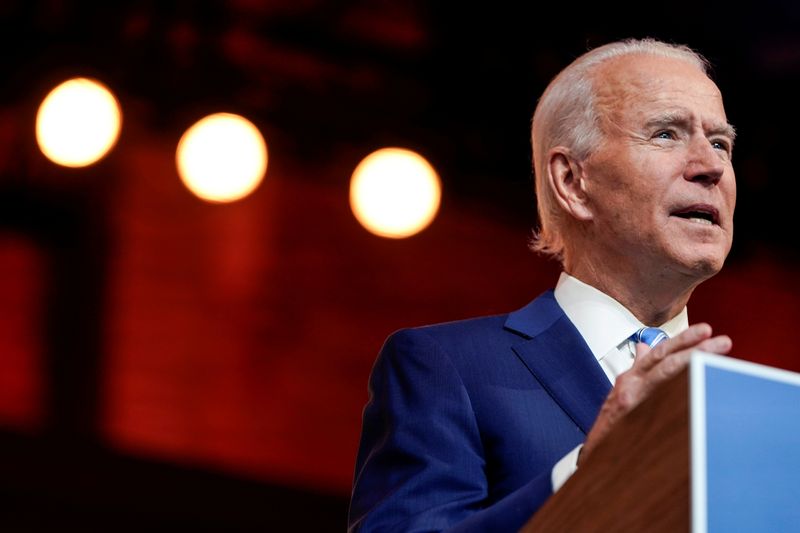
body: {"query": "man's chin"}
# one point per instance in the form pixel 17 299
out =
pixel 702 258
pixel 703 267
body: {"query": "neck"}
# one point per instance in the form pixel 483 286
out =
pixel 652 297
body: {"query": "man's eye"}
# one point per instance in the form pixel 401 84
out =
pixel 664 134
pixel 720 145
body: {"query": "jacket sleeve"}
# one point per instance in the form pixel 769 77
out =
pixel 420 464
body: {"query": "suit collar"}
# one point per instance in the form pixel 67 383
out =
pixel 535 317
pixel 559 358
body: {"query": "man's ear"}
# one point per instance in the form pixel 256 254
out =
pixel 565 178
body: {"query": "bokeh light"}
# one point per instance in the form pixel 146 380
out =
pixel 78 122
pixel 395 193
pixel 222 158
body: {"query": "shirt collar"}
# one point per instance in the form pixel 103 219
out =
pixel 603 322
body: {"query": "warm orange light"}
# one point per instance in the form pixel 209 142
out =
pixel 78 122
pixel 395 193
pixel 222 158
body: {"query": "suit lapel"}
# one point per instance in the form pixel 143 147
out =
pixel 558 357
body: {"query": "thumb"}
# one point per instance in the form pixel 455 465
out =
pixel 642 350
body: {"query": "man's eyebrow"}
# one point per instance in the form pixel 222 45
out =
pixel 727 130
pixel 682 119
pixel 669 119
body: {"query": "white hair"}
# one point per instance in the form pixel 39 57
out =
pixel 567 115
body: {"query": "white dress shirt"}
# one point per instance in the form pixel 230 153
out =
pixel 606 326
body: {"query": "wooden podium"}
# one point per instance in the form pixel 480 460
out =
pixel 715 449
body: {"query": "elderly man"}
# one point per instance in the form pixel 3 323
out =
pixel 472 425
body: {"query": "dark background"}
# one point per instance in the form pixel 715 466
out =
pixel 167 362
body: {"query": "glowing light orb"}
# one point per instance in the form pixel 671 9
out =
pixel 222 158
pixel 78 122
pixel 395 193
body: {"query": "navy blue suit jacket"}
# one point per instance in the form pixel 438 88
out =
pixel 465 421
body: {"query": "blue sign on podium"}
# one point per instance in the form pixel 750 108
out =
pixel 745 446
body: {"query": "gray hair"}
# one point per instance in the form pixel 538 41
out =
pixel 567 115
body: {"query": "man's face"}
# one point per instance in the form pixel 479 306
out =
pixel 660 187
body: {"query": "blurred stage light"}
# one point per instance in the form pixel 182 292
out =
pixel 78 122
pixel 222 158
pixel 395 193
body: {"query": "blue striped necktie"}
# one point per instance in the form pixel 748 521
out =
pixel 649 336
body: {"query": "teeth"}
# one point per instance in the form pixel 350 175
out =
pixel 701 220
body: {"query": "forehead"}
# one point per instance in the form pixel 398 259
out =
pixel 637 85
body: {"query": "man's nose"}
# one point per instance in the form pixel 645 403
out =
pixel 705 163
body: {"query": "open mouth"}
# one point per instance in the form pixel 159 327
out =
pixel 702 214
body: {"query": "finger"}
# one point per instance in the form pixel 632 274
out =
pixel 642 349
pixel 689 338
pixel 668 367
pixel 720 344
pixel 673 363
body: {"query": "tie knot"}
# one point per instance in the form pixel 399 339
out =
pixel 649 336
